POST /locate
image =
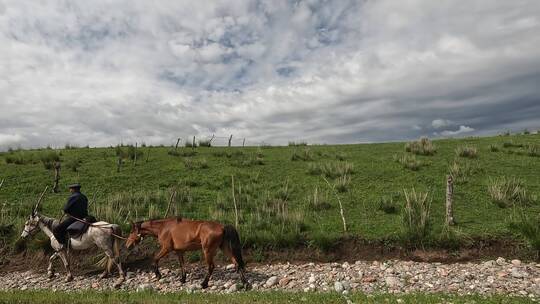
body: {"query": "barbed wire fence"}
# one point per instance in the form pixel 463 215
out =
pixel 217 141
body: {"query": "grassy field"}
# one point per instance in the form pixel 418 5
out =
pixel 251 297
pixel 282 194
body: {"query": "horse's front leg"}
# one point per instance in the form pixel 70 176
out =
pixel 162 252
pixel 65 260
pixel 50 272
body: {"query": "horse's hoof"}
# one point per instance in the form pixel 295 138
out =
pixel 103 276
pixel 118 283
pixel 183 279
pixel 50 275
pixel 69 279
pixel 204 285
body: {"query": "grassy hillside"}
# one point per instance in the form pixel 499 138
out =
pixel 282 197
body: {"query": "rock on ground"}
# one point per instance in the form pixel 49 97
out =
pixel 491 277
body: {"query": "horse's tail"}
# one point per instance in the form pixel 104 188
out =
pixel 232 239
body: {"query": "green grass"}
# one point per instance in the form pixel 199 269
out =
pixel 248 297
pixel 268 217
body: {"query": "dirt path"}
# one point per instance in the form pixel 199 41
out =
pixel 395 276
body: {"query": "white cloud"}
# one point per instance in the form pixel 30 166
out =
pixel 337 71
pixel 10 139
pixel 461 130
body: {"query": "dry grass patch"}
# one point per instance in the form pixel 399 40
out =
pixel 421 147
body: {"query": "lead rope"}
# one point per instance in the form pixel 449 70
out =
pixel 98 226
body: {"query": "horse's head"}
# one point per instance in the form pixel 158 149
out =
pixel 134 236
pixel 31 226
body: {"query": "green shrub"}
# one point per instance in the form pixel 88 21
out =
pixel 318 200
pixel 182 152
pixel 190 144
pixel 510 144
pixel 421 147
pixel 532 150
pixel 528 226
pixel 70 147
pixel 331 169
pixel 462 170
pixel 304 155
pixel 387 205
pixel 20 158
pixel 415 222
pixel 342 183
pixel 408 161
pixel 73 164
pixel 526 132
pixel 341 156
pixel 205 143
pixel 49 158
pixel 494 148
pixel 220 153
pixel 120 152
pixel 191 164
pixel 508 192
pixel 132 151
pixel 297 143
pixel 469 152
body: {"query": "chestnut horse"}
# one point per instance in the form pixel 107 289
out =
pixel 181 235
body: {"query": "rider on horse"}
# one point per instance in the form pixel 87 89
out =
pixel 75 207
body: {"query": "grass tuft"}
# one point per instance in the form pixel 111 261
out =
pixel 415 222
pixel 421 147
pixel 467 151
pixel 408 161
pixel 507 192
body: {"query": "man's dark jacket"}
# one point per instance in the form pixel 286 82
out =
pixel 77 206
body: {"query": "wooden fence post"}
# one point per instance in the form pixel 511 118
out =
pixel 147 154
pixel 244 142
pixel 193 144
pixel 119 164
pixel 449 198
pixel 56 176
pixel 230 138
pixel 177 142
pixel 135 156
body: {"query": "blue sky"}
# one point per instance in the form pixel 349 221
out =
pixel 101 72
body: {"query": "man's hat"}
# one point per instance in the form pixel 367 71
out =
pixel 75 186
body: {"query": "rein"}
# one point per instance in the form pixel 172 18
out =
pixel 98 226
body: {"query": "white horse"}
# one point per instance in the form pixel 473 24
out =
pixel 99 234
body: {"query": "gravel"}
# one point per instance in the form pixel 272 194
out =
pixel 491 277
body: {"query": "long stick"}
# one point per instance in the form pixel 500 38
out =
pixel 173 194
pixel 40 198
pixel 1 183
pixel 340 205
pixel 234 201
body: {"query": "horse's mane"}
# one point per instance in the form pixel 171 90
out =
pixel 159 220
pixel 50 222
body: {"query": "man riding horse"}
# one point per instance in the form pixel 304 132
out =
pixel 75 208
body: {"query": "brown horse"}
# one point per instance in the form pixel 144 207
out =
pixel 181 235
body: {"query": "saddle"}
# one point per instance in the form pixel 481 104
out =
pixel 77 229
